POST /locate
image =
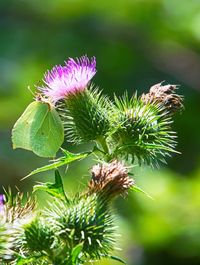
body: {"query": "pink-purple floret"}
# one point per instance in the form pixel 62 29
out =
pixel 2 201
pixel 71 78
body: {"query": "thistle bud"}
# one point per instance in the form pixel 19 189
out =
pixel 38 236
pixel 85 220
pixel 142 131
pixel 87 116
pixel 164 95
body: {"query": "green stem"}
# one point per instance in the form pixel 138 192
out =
pixel 103 143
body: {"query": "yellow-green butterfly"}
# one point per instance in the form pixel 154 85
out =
pixel 39 129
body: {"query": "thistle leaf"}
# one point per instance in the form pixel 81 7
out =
pixel 61 161
pixel 54 189
pixel 75 254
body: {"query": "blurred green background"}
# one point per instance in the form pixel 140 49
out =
pixel 137 43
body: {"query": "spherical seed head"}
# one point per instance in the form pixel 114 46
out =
pixel 164 95
pixel 112 178
pixel 71 78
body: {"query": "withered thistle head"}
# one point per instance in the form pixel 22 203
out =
pixel 165 95
pixel 112 179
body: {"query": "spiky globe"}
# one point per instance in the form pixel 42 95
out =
pixel 86 220
pixel 87 116
pixel 142 131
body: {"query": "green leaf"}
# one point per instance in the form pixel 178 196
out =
pixel 54 189
pixel 39 129
pixel 61 161
pixel 138 189
pixel 76 253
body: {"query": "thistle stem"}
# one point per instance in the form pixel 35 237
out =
pixel 102 142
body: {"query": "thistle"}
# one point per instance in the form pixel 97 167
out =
pixel 37 242
pixel 62 81
pixel 84 223
pixel 14 215
pixel 85 109
pixel 142 131
pixel 81 228
pixel 18 207
pixel 87 116
pixel 110 179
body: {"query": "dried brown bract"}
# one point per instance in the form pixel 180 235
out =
pixel 165 95
pixel 110 178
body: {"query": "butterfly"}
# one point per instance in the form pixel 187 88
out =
pixel 39 129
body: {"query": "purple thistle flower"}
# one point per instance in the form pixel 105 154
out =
pixel 74 77
pixel 2 202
